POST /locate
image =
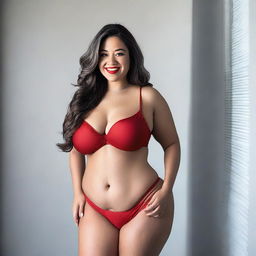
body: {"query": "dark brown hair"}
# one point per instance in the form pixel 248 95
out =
pixel 92 85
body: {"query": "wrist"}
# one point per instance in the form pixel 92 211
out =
pixel 167 187
pixel 78 192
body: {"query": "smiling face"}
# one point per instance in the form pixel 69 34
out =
pixel 114 61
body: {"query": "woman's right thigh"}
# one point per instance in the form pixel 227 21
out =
pixel 96 235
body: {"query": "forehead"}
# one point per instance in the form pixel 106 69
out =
pixel 112 43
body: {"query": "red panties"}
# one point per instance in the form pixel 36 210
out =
pixel 118 219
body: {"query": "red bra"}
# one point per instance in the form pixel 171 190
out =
pixel 129 134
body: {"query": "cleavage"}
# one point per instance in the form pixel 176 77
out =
pixel 92 124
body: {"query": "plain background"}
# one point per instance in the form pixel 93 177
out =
pixel 182 43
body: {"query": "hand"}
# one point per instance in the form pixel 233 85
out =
pixel 78 207
pixel 157 204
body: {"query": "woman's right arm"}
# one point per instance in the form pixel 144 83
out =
pixel 77 168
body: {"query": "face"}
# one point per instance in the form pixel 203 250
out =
pixel 114 61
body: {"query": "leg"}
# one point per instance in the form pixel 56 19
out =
pixel 144 235
pixel 96 235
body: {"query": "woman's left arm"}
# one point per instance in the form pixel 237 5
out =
pixel 171 162
pixel 164 131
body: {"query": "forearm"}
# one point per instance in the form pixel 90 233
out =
pixel 77 167
pixel 171 162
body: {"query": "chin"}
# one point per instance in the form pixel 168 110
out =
pixel 113 79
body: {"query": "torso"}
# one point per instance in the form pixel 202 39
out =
pixel 115 179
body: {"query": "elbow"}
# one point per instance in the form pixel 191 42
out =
pixel 176 143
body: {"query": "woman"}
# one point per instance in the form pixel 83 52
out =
pixel 121 205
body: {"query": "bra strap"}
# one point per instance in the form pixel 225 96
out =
pixel 140 99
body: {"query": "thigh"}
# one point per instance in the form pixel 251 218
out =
pixel 96 235
pixel 145 235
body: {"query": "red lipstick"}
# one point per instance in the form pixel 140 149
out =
pixel 112 70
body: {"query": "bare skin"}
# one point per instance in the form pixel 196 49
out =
pixel 114 179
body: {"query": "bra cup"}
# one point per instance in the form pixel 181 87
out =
pixel 127 135
pixel 86 141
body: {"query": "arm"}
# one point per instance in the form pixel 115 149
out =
pixel 77 167
pixel 164 131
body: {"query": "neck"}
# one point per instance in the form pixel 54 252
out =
pixel 117 86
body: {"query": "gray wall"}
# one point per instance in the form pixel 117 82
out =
pixel 41 45
pixel 206 215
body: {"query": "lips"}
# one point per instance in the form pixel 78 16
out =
pixel 112 70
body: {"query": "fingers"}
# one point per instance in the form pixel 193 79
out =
pixel 81 210
pixel 153 211
pixel 150 206
pixel 75 215
pixel 78 212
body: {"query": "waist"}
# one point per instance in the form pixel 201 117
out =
pixel 108 187
pixel 112 171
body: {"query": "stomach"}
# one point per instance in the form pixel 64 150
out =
pixel 115 179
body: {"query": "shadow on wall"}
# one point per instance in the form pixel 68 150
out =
pixel 206 214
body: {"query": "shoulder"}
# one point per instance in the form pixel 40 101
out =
pixel 150 91
pixel 152 96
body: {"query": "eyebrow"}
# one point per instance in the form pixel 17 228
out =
pixel 120 49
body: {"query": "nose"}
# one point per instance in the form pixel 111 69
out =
pixel 112 58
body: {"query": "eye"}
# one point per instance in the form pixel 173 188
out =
pixel 103 54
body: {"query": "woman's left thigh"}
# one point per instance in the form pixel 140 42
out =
pixel 144 235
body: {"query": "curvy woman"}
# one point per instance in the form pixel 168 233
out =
pixel 121 206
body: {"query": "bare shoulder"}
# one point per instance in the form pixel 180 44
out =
pixel 164 130
pixel 152 96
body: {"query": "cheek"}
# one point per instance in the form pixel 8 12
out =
pixel 101 68
pixel 126 63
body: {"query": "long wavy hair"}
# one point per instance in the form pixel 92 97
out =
pixel 92 85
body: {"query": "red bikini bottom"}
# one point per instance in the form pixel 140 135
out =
pixel 118 219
